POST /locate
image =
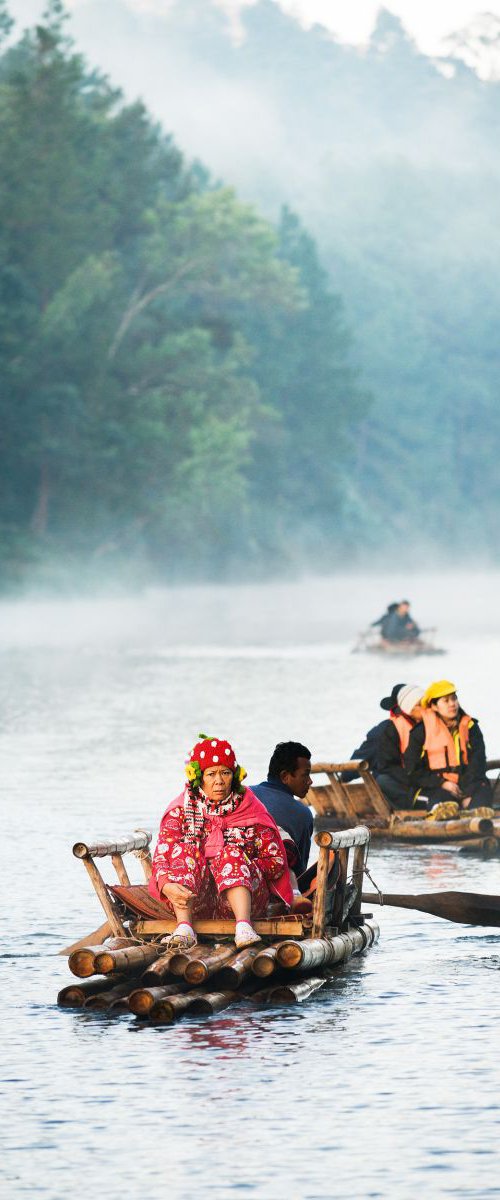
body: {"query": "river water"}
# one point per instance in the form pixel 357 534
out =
pixel 386 1084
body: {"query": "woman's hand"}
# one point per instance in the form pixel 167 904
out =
pixel 448 786
pixel 178 895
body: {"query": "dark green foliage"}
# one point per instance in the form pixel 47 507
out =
pixel 158 342
pixel 392 161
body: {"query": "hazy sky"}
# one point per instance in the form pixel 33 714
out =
pixel 429 21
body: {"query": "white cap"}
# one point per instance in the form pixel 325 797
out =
pixel 408 696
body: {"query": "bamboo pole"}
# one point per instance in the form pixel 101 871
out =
pixel 166 1011
pixel 180 958
pixel 82 961
pixel 426 830
pixel 343 839
pixel 120 869
pixel 143 999
pixel 102 1000
pixel 358 867
pixel 119 1006
pixel 264 963
pixel 212 1002
pixel 144 857
pixel 318 952
pixel 131 959
pixel 295 993
pixel 200 969
pixel 337 917
pixel 100 849
pixel 237 969
pixel 75 994
pixel 319 903
pixel 110 908
pixel 327 768
pixel 159 970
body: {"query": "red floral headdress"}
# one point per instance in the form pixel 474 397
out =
pixel 213 752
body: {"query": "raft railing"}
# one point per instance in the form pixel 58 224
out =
pixel 136 843
pixel 347 803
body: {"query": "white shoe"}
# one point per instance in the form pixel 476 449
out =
pixel 245 935
pixel 183 938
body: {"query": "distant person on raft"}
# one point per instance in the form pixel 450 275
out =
pixel 219 852
pixel 398 625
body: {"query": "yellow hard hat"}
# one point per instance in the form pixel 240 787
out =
pixel 442 687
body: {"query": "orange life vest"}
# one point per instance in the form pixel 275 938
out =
pixel 404 727
pixel 446 753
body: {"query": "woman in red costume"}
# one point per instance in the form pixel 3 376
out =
pixel 219 853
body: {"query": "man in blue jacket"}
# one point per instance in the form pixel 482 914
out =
pixel 289 776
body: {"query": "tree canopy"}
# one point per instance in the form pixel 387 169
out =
pixel 171 364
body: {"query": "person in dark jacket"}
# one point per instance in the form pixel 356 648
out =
pixel 382 621
pixel 391 775
pixel 385 743
pixel 399 626
pixel 288 776
pixel 446 757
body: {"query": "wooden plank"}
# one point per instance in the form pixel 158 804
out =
pixel 267 927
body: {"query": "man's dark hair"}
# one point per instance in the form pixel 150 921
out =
pixel 285 757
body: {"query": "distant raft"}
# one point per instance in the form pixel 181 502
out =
pixel 370 642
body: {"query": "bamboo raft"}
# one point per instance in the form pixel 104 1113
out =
pixel 123 967
pixel 371 642
pixel 339 805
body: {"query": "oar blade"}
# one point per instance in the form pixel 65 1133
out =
pixel 466 908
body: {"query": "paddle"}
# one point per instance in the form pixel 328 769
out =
pixel 468 908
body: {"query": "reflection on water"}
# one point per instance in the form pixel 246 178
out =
pixel 386 1083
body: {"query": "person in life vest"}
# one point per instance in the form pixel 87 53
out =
pixel 404 713
pixel 445 758
pixel 385 744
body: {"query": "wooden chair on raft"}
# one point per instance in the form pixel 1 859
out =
pixel 341 805
pixel 133 914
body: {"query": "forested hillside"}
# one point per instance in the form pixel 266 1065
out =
pixel 263 331
pixel 392 161
pixel 176 395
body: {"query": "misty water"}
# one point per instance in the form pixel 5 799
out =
pixel 385 1084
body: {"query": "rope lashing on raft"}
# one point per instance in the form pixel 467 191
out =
pixel 377 889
